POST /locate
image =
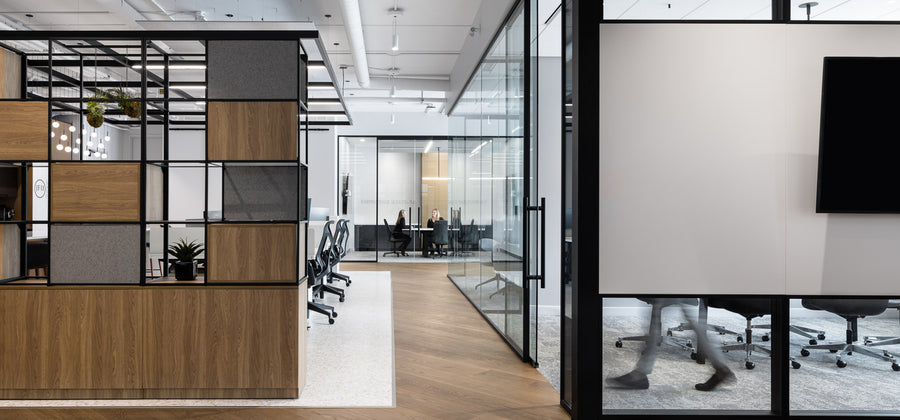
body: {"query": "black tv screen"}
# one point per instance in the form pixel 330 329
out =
pixel 859 136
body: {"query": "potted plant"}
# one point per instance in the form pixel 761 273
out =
pixel 95 111
pixel 126 103
pixel 184 253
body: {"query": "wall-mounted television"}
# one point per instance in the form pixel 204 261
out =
pixel 859 136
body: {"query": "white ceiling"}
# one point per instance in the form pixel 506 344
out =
pixel 748 9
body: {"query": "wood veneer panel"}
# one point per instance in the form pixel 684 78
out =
pixel 24 130
pixel 252 130
pixel 239 253
pixel 69 339
pixel 221 339
pixel 95 192
pixel 10 251
pixel 10 74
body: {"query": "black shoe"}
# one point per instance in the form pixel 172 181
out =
pixel 723 375
pixel 630 380
pixel 405 254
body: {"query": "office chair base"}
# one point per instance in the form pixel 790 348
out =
pixel 322 309
pixel 849 349
pixel 679 342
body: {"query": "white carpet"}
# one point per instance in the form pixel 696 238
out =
pixel 350 363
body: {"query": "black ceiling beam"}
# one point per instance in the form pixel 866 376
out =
pixel 161 35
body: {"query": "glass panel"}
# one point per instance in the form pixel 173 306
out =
pixel 688 10
pixel 400 190
pixel 734 350
pixel 845 10
pixel 357 186
pixel 487 172
pixel 846 348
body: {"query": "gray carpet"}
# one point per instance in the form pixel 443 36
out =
pixel 509 320
pixel 818 385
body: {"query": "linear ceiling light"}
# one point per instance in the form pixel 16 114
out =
pixel 172 66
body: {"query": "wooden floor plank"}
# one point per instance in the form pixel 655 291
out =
pixel 450 364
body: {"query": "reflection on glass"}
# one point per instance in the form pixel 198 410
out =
pixel 688 10
pixel 845 10
pixel 666 375
pixel 846 350
pixel 487 184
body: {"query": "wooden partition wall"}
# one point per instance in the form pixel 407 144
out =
pixel 97 323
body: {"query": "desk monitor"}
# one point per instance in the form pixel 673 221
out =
pixel 319 213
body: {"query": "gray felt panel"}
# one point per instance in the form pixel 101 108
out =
pixel 101 254
pixel 252 69
pixel 260 193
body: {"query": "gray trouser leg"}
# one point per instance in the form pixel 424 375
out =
pixel 651 346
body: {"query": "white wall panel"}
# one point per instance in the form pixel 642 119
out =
pixel 709 142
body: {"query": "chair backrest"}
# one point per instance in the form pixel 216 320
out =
pixel 339 238
pixel 344 225
pixel 390 232
pixel 441 234
pixel 323 252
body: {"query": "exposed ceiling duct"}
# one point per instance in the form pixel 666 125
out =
pixel 353 26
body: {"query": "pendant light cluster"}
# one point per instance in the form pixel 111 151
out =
pixel 69 142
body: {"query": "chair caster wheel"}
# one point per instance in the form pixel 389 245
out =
pixel 795 365
pixel 804 352
pixel 821 336
pixel 813 342
pixel 348 282
pixel 749 365
pixel 330 321
pixel 700 360
pixel 740 339
pixel 341 299
pixel 841 364
pixel 334 314
pixel 693 356
pixel 619 343
pixel 896 367
pixel 669 333
pixel 833 351
pixel 765 338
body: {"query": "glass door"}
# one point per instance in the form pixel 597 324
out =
pixel 357 193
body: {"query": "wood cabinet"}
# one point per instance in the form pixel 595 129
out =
pixel 151 342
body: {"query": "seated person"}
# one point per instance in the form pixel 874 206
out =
pixel 398 232
pixel 428 246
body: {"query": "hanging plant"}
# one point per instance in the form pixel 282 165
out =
pixel 95 110
pixel 127 104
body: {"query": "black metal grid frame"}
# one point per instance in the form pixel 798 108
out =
pixel 145 39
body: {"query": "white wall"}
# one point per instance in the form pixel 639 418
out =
pixel 323 174
pixel 709 138
pixel 550 170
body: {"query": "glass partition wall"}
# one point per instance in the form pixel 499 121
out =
pixel 488 186
pixel 379 178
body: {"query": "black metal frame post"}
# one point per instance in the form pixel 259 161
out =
pixel 587 305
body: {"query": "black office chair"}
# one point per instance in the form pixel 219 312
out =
pixel 339 251
pixel 749 308
pixel 851 310
pixel 467 238
pixel 314 279
pixel 440 236
pixel 656 324
pixel 316 275
pixel 392 239
pixel 322 263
